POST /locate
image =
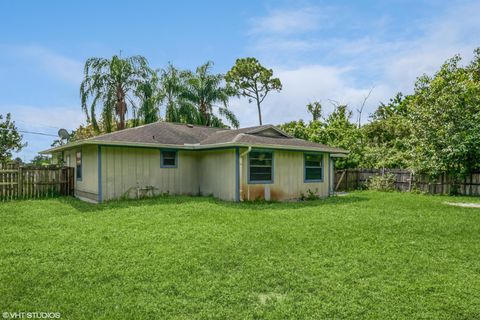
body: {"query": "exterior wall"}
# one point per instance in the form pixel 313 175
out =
pixel 126 171
pixel 288 178
pixel 217 173
pixel 87 187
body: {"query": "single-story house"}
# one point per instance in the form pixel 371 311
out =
pixel 253 163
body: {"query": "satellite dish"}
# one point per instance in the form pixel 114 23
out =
pixel 63 134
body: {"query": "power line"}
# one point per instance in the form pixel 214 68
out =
pixel 37 124
pixel 39 133
pixel 33 132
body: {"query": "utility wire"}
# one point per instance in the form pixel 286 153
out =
pixel 32 132
pixel 39 124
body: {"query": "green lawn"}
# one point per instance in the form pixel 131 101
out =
pixel 365 255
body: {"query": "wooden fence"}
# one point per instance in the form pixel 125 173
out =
pixel 405 180
pixel 17 182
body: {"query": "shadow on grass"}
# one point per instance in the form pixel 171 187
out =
pixel 160 201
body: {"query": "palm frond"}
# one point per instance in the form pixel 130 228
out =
pixel 111 82
pixel 230 116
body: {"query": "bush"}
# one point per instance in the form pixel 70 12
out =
pixel 311 195
pixel 384 182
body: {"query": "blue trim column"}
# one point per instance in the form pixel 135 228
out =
pixel 237 174
pixel 333 178
pixel 99 153
pixel 329 174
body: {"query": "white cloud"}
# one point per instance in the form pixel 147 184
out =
pixel 289 21
pixel 455 34
pixel 42 120
pixel 322 67
pixel 51 62
pixel 47 119
pixel 302 86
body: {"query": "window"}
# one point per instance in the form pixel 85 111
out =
pixel 260 167
pixel 168 159
pixel 79 165
pixel 313 167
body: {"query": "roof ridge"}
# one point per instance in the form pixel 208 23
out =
pixel 123 130
pixel 238 136
pixel 195 125
pixel 159 122
pixel 252 127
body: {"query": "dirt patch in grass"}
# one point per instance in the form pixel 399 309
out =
pixel 464 204
pixel 265 298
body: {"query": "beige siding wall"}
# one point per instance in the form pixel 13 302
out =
pixel 217 173
pixel 87 187
pixel 288 182
pixel 207 172
pixel 126 169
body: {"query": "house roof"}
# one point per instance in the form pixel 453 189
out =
pixel 185 136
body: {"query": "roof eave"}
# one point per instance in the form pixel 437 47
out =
pixel 275 146
pixel 114 143
pixel 337 152
pixel 339 155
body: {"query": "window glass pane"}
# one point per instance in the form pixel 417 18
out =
pixel 313 167
pixel 260 176
pixel 169 154
pixel 260 155
pixel 256 162
pixel 79 165
pixel 313 173
pixel 168 162
pixel 169 158
pixel 261 170
pixel 313 160
pixel 312 163
pixel 261 164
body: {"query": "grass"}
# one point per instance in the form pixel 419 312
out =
pixel 366 255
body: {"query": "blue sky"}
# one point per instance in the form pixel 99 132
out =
pixel 321 50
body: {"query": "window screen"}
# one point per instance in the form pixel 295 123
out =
pixel 261 166
pixel 79 165
pixel 313 167
pixel 169 159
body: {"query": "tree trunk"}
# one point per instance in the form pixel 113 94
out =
pixel 259 113
pixel 203 113
pixel 258 104
pixel 121 115
pixel 121 108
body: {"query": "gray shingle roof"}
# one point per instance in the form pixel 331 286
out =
pixel 161 132
pixel 183 135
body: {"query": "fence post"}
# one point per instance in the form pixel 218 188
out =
pixel 20 183
pixel 358 180
pixel 410 181
pixel 346 179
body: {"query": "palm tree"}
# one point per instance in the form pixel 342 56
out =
pixel 201 93
pixel 149 96
pixel 113 83
pixel 172 84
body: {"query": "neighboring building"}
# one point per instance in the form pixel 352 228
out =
pixel 245 164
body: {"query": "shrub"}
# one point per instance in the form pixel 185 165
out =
pixel 311 195
pixel 384 182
